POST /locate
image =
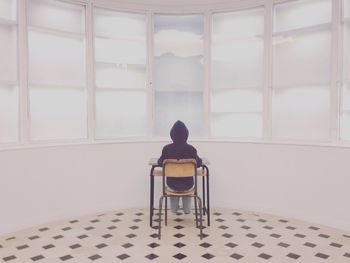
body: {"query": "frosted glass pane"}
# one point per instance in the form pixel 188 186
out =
pixel 8 9
pixel 173 106
pixel 245 23
pixel 56 60
pixel 345 126
pixel 121 76
pixel 8 114
pixel 58 114
pixel 301 113
pixel 347 8
pixel 57 15
pixel 120 51
pixel 116 25
pixel 120 113
pixel 236 125
pixel 346 97
pixel 237 63
pixel 302 59
pixel 241 100
pixel 176 73
pixel 302 13
pixel 346 56
pixel 8 53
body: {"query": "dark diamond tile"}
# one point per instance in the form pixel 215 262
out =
pixel 246 227
pixel 102 245
pixel 10 238
pixel 308 244
pixel 262 220
pixel 178 220
pixel 203 235
pixel 223 227
pixel 73 221
pixel 236 256
pixel 257 244
pixel 293 256
pixel 66 228
pixel 33 237
pixel 137 220
pixel 205 244
pixel 95 257
pixel 153 245
pixel 314 228
pixel 236 214
pixel 127 245
pixel 264 256
pixel 115 220
pixel 227 235
pixel 12 257
pixel 66 257
pixel 179 245
pixel 154 235
pixel 178 227
pixel 119 214
pixel 179 235
pixel 89 228
pixel 38 257
pixel 283 221
pixel 336 245
pixel 275 235
pixel 268 227
pixel 151 256
pixel 134 227
pixel 220 220
pixel 95 221
pixel 22 247
pixel 75 246
pixel 82 236
pixel 323 235
pixel 299 235
pixel 217 214
pixel 43 229
pixel 347 236
pixel 107 236
pixel 231 245
pixel 282 244
pixel 290 227
pixel 208 256
pixel 251 235
pixel 131 235
pixel 57 237
pixel 111 227
pixel 48 246
pixel 179 256
pixel 139 214
pixel 321 255
pixel 347 255
pixel 240 220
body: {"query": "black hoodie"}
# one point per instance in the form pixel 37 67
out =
pixel 179 149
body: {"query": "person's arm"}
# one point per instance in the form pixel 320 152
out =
pixel 198 159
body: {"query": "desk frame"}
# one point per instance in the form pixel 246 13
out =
pixel 205 193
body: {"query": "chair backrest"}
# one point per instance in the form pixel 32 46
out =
pixel 179 168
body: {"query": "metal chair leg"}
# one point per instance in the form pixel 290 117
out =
pixel 160 216
pixel 166 211
pixel 200 218
pixel 196 210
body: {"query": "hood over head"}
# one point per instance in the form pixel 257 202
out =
pixel 179 132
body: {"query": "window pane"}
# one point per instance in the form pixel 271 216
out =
pixel 347 8
pixel 345 125
pixel 120 54
pixel 57 74
pixel 236 124
pixel 302 13
pixel 58 113
pixel 171 106
pixel 346 53
pixel 121 113
pixel 301 112
pixel 237 73
pixel 8 114
pixel 302 59
pixel 57 15
pixel 8 53
pixel 178 72
pixel 8 9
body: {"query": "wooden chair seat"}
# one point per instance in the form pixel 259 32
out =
pixel 173 193
pixel 158 172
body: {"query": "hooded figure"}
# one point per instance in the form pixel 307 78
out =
pixel 179 149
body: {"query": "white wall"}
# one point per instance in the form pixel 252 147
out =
pixel 40 185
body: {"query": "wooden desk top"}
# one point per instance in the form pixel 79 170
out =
pixel 154 161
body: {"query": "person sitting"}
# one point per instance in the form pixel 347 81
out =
pixel 180 149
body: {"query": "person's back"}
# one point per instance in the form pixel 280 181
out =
pixel 179 149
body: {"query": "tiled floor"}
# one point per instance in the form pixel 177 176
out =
pixel 125 236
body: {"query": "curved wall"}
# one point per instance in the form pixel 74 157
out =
pixel 44 184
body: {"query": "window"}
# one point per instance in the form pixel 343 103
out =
pixel 178 72
pixel 301 70
pixel 345 101
pixel 121 74
pixel 8 72
pixel 57 78
pixel 237 73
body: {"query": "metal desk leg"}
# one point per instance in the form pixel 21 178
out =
pixel 208 197
pixel 203 193
pixel 151 206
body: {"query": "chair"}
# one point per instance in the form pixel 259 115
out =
pixel 180 168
